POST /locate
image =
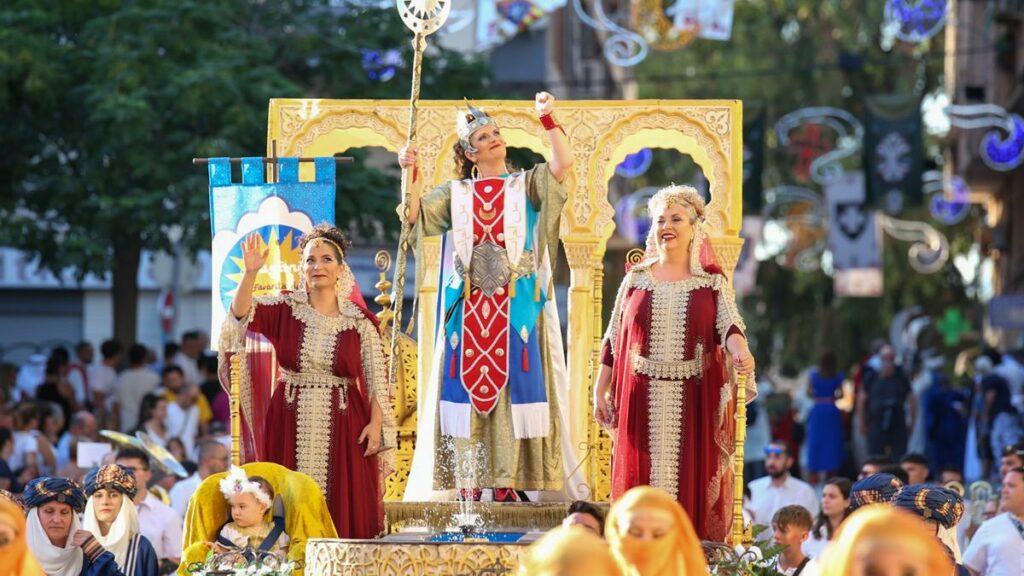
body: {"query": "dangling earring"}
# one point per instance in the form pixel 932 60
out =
pixel 474 173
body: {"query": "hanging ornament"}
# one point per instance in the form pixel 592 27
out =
pixel 950 202
pixel 999 152
pixel 848 131
pixel 631 218
pixel 913 21
pixel 1005 154
pixel 795 229
pixel 929 250
pixel 623 47
pixel 381 65
pixel 635 165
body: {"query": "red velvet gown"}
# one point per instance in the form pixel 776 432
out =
pixel 674 403
pixel 320 404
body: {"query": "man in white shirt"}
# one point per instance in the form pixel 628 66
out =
pixel 770 493
pixel 182 419
pixel 102 379
pixel 83 428
pixel 997 549
pixel 213 459
pixel 133 385
pixel 187 357
pixel 78 372
pixel 160 524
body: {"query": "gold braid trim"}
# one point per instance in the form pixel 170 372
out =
pixel 666 420
pixel 611 334
pixel 375 372
pixel 232 340
pixel 727 314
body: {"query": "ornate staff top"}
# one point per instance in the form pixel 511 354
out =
pixel 424 16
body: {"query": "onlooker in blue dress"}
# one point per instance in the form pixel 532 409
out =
pixel 824 424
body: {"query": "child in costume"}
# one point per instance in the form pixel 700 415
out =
pixel 248 530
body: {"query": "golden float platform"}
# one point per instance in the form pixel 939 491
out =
pixel 407 549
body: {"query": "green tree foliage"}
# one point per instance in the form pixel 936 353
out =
pixel 105 103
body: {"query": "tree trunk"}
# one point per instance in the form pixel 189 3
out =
pixel 125 290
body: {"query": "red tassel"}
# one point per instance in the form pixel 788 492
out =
pixel 451 366
pixel 526 360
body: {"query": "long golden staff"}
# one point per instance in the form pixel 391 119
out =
pixel 423 17
pixel 738 532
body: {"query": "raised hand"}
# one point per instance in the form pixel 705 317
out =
pixel 408 157
pixel 252 255
pixel 544 102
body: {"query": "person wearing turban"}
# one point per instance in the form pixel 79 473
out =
pixel 15 557
pixel 879 539
pixel 940 508
pixel 111 517
pixel 875 489
pixel 650 534
pixel 55 535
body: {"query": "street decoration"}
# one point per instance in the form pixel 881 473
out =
pixel 914 21
pixel 795 226
pixel 635 165
pixel 929 249
pixel 999 152
pixel 953 326
pixel 380 65
pixel 893 151
pixel 949 202
pixel 824 162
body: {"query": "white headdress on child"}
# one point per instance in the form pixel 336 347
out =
pixel 236 482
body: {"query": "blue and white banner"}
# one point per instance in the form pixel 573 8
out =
pixel 280 212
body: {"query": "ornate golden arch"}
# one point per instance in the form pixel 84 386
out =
pixel 602 133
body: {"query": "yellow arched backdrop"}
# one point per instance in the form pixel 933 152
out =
pixel 602 133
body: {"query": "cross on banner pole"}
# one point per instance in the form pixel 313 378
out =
pixel 423 17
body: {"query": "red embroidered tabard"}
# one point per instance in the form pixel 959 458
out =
pixel 485 324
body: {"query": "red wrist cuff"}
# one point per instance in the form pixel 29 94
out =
pixel 548 121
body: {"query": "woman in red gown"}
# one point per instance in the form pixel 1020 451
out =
pixel 663 384
pixel 325 415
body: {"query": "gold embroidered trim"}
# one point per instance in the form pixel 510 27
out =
pixel 312 438
pixel 670 370
pixel 611 334
pixel 316 356
pixel 666 421
pixel 727 314
pixel 232 339
pixel 374 363
pixel 295 380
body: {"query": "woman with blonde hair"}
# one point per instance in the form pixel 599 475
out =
pixel 650 534
pixel 664 383
pixel 879 540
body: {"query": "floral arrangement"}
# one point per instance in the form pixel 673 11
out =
pixel 246 562
pixel 744 559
